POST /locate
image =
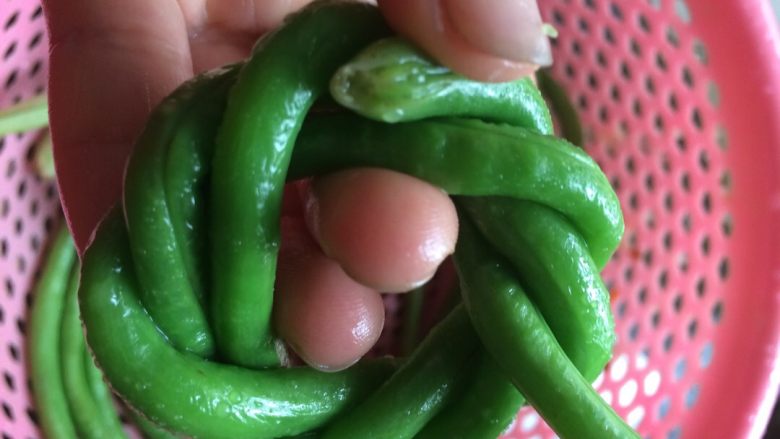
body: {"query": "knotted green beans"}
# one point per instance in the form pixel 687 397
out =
pixel 177 286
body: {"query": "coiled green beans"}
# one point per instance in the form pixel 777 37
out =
pixel 176 290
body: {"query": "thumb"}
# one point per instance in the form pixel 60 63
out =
pixel 489 40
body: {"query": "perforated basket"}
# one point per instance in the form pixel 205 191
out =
pixel 681 104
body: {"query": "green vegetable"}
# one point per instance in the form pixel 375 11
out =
pixel 177 287
pixel 24 116
pixel 44 339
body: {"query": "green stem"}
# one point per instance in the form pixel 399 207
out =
pixel 25 116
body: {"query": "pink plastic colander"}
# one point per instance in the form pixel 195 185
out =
pixel 681 104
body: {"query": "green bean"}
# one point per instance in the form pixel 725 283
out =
pixel 44 339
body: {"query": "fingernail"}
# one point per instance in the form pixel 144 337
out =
pixel 509 29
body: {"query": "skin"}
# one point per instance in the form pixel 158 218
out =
pixel 119 58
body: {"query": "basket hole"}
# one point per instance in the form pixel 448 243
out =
pixel 642 296
pixel 663 408
pixel 704 160
pixel 603 114
pixel 635 48
pixel 633 201
pixel 21 189
pixel 21 326
pixel 3 247
pixel 647 257
pixel 636 107
pixel 628 274
pixel 9 381
pixel 663 279
pixel 705 357
pixel 643 23
pixel 568 69
pixel 678 302
pixel 705 245
pixel 660 61
pixel 674 104
pixel 36 39
pixel 11 79
pixel 691 396
pixel 672 37
pixel 590 4
pixel 658 123
pixel 633 332
pixel 9 413
pixel 724 268
pixel 668 342
pixel 682 262
pixel 630 165
pixel 655 319
pixel 717 312
pixel 583 25
pixel 668 202
pixel 701 287
pixel 609 37
pixel 36 67
pixel 696 118
pixel 601 59
pixel 593 83
pixel 650 85
pixel 666 240
pixel 11 20
pixel 625 71
pixel 682 10
pixel 649 182
pixel 9 50
pixel 620 310
pixel 9 287
pixel 615 11
pixel 557 17
pixel 666 164
pixel 614 93
pixel 685 182
pixel 582 101
pixel 727 224
pixel 687 77
pixel 576 49
pixel 700 52
pixel 706 202
pixel 686 222
pixel 693 328
pixel 13 351
pixel 36 13
pixel 713 94
pixel 721 138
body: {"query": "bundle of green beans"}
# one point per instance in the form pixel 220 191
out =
pixel 176 289
pixel 71 397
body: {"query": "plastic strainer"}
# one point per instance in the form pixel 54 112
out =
pixel 681 104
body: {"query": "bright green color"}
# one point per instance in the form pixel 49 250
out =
pixel 185 393
pixel 25 116
pixel 44 339
pixel 87 415
pixel 564 110
pixel 177 289
pixel 514 331
pixel 287 72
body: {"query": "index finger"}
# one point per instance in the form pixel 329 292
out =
pixel 111 62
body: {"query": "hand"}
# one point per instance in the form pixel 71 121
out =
pixel 345 236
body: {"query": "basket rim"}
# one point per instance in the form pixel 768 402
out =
pixel 752 38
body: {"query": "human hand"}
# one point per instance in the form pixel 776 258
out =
pixel 345 236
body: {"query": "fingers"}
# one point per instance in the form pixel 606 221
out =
pixel 388 230
pixel 111 62
pixel 495 40
pixel 253 16
pixel 330 320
